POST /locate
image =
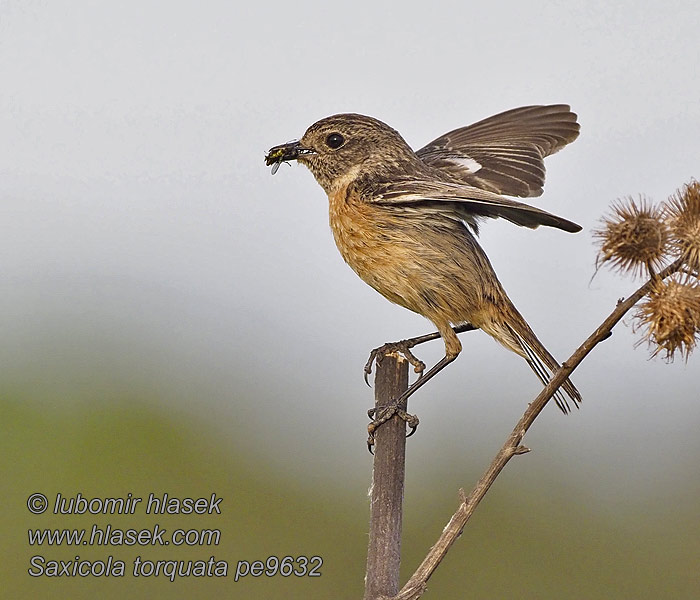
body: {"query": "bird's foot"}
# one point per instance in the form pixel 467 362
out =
pixel 384 415
pixel 403 347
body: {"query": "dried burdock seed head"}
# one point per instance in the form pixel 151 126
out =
pixel 633 238
pixel 671 316
pixel 683 219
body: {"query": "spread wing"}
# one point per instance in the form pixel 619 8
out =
pixel 505 153
pixel 465 202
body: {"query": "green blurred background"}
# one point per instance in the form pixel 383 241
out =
pixel 175 320
pixel 533 537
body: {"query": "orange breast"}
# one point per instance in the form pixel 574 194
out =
pixel 370 241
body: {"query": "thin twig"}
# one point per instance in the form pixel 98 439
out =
pixel 416 585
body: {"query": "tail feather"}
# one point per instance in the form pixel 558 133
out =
pixel 516 335
pixel 544 365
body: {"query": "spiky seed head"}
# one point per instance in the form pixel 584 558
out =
pixel 670 315
pixel 682 212
pixel 633 237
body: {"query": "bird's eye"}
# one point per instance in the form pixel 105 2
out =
pixel 335 140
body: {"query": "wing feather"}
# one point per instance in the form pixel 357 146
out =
pixel 504 153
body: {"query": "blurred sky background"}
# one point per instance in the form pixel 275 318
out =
pixel 152 266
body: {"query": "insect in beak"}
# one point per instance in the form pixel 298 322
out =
pixel 284 153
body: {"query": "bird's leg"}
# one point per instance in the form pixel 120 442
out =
pixel 403 347
pixel 394 408
pixel 397 406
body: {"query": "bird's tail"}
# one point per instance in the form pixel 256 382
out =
pixel 516 335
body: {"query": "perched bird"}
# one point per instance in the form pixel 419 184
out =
pixel 406 222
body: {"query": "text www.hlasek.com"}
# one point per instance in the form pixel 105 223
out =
pixel 111 536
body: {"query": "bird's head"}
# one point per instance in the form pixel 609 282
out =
pixel 341 148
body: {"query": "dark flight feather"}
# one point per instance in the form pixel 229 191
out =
pixel 466 201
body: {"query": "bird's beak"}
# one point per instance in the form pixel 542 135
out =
pixel 285 152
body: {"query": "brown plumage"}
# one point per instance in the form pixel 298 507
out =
pixel 406 221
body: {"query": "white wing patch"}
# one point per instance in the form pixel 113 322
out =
pixel 464 162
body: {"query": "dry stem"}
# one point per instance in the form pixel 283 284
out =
pixel 386 499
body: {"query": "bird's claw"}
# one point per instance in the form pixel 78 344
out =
pixel 403 347
pixel 386 414
pixel 368 365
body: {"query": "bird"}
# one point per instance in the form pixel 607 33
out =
pixel 407 221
